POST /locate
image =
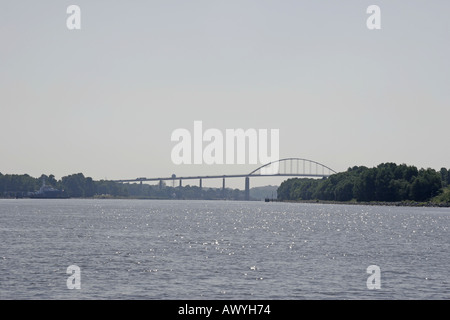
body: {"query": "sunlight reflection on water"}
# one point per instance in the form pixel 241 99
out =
pixel 136 249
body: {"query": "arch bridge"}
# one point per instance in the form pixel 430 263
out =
pixel 287 167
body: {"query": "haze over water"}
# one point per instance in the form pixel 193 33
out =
pixel 139 249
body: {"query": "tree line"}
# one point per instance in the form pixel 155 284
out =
pixel 79 186
pixel 388 182
pixel 75 185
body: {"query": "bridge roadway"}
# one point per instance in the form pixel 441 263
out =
pixel 293 173
pixel 223 176
pixel 200 178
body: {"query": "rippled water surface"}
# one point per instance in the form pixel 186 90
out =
pixel 139 249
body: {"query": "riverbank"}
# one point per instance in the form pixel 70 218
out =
pixel 372 203
pixel 376 203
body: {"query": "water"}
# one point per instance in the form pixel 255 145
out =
pixel 140 249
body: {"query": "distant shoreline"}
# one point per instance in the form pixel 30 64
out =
pixel 375 203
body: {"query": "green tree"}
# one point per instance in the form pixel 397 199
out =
pixel 284 190
pixel 384 190
pixel 325 189
pixel 89 187
pixel 74 185
pixel 444 177
pixel 364 189
pixel 304 189
pixel 426 185
pixel 344 190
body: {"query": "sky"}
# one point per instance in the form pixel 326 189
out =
pixel 105 99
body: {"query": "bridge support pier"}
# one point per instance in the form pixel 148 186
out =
pixel 181 183
pixel 247 188
pixel 160 184
pixel 223 187
pixel 200 184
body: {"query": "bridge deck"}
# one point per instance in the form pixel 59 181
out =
pixel 225 177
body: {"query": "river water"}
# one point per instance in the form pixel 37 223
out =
pixel 151 249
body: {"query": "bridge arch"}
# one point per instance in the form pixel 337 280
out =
pixel 294 167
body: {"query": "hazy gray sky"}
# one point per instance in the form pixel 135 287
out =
pixel 105 99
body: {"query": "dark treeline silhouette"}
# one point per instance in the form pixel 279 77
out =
pixel 75 185
pixel 388 182
pixel 79 186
